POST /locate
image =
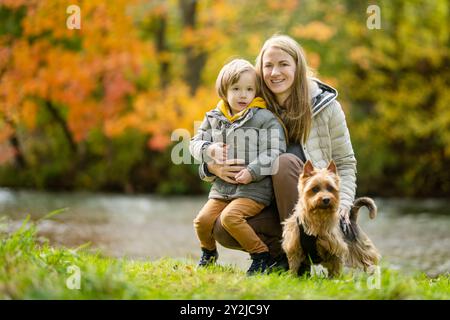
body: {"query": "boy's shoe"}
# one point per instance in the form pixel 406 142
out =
pixel 209 257
pixel 278 264
pixel 259 264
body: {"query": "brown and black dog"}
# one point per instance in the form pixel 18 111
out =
pixel 313 234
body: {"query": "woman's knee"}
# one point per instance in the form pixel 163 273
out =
pixel 288 165
pixel 223 237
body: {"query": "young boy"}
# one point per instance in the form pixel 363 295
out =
pixel 240 127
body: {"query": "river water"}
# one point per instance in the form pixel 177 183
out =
pixel 410 234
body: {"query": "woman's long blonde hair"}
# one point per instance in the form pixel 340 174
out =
pixel 296 111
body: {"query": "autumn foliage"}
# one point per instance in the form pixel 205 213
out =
pixel 94 108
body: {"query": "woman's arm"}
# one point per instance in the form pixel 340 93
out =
pixel 227 170
pixel 343 155
pixel 212 156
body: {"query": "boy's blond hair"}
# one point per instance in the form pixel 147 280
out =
pixel 231 73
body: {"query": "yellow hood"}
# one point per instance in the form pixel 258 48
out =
pixel 225 109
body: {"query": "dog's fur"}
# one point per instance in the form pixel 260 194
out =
pixel 363 253
pixel 317 211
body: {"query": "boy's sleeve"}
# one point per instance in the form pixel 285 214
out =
pixel 272 144
pixel 199 143
pixel 197 148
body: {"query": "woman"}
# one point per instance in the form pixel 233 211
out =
pixel 316 129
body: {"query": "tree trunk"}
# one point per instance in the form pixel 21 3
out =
pixel 19 159
pixel 62 123
pixel 161 47
pixel 195 59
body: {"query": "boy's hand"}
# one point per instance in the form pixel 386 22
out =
pixel 243 176
pixel 218 152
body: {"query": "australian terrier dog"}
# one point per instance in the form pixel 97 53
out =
pixel 313 234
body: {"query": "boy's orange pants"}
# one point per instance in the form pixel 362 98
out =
pixel 233 216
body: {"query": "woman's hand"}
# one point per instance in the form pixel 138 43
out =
pixel 227 170
pixel 347 228
pixel 344 214
pixel 217 151
pixel 244 176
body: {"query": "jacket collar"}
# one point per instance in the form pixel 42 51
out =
pixel 242 117
pixel 321 95
pixel 225 109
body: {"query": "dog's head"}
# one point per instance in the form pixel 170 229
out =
pixel 319 188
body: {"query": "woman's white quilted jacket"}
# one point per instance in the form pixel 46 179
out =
pixel 329 138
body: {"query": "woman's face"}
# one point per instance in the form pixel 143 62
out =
pixel 278 72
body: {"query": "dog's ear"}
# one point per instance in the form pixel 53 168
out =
pixel 308 169
pixel 332 167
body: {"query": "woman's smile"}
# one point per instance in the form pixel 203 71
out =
pixel 277 81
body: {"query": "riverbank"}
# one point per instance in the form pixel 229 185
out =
pixel 32 269
pixel 411 235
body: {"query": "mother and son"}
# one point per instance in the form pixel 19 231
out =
pixel 294 118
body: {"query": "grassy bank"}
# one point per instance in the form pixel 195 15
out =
pixel 31 269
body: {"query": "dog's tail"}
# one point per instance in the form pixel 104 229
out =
pixel 363 202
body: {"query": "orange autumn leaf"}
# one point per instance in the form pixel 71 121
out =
pixel 158 142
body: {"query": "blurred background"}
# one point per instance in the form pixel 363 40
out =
pixel 86 115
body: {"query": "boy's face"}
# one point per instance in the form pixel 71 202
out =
pixel 241 93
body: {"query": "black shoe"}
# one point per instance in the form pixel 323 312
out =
pixel 259 264
pixel 278 264
pixel 209 257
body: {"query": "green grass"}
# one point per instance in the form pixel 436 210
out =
pixel 31 269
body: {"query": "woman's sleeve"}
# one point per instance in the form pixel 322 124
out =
pixel 343 155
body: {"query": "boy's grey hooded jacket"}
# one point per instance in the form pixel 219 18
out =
pixel 257 136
